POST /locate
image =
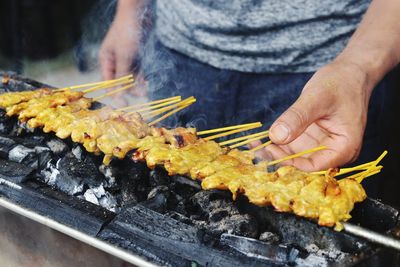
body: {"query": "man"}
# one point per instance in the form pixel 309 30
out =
pixel 249 60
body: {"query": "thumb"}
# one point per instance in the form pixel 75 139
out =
pixel 294 121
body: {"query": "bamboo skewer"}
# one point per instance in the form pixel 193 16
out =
pixel 217 130
pixel 254 149
pixel 234 140
pixel 161 101
pixel 188 103
pixel 308 151
pixel 233 131
pixel 364 166
pixel 155 107
pixel 245 142
pixel 159 111
pixel 373 169
pixel 113 92
pixel 109 84
pixel 97 83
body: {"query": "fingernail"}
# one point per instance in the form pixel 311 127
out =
pixel 280 132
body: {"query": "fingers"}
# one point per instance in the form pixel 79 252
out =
pixel 296 119
pixel 107 63
pixel 339 151
pixel 123 65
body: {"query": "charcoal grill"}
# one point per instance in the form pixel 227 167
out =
pixel 146 217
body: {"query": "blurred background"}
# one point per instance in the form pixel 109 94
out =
pixel 54 42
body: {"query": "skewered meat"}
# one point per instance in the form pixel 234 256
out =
pixel 178 137
pixel 13 98
pixel 49 115
pixel 180 151
pixel 31 108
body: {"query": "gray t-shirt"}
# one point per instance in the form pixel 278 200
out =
pixel 259 35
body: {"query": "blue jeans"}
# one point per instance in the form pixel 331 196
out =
pixel 226 97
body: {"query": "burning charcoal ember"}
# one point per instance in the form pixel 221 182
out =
pixel 184 186
pixel 6 123
pixel 269 237
pixel 133 178
pixel 157 199
pixel 101 197
pixel 269 253
pixel 6 144
pixel 14 172
pixel 32 140
pixel 159 176
pixel 22 154
pixel 78 152
pixel 72 175
pixel 110 181
pixel 44 155
pixel 83 170
pixel 223 216
pixel 57 146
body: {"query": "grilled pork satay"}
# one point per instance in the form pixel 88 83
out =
pixel 176 160
pixel 329 201
pixel 33 107
pixel 178 137
pixel 49 115
pixel 67 122
pixel 233 158
pixel 116 139
pixel 115 136
pixel 289 190
pixel 13 98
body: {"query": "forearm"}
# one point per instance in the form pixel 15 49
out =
pixel 375 46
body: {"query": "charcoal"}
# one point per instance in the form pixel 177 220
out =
pixel 184 186
pixel 157 199
pixel 57 146
pixel 79 170
pixel 71 175
pixel 269 237
pixel 262 251
pixel 44 155
pixel 32 141
pixel 159 176
pixel 133 178
pixel 14 172
pixel 78 152
pixel 6 124
pixel 110 181
pixel 101 197
pixel 6 144
pixel 25 155
pixel 222 215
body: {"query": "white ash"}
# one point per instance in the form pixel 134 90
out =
pixel 330 253
pixel 268 237
pixel 52 175
pixel 99 196
pixel 19 153
pixel 78 153
pixel 108 175
pixel 57 146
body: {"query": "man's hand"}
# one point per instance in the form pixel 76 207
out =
pixel 331 111
pixel 120 47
